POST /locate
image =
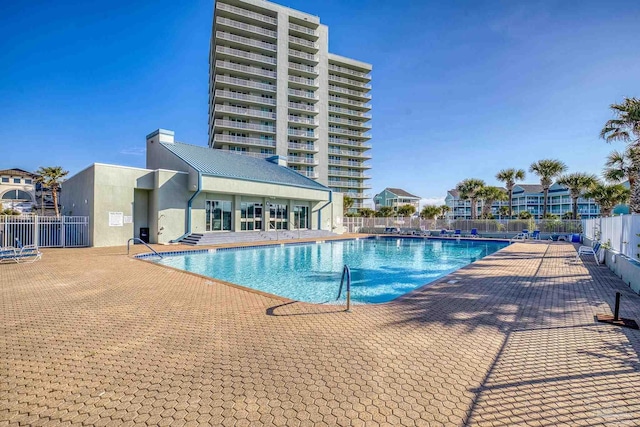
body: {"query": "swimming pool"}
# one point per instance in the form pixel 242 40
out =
pixel 381 269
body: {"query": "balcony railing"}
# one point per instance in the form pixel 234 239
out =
pixel 245 83
pixel 301 29
pixel 302 94
pixel 250 154
pixel 348 132
pixel 245 97
pixel 240 125
pixel 350 164
pixel 303 55
pixel 303 120
pixel 333 98
pixel 347 81
pixel 302 147
pixel 303 81
pixel 299 132
pixel 301 106
pixel 309 174
pixel 302 160
pixel 303 42
pixel 244 140
pixel 246 27
pixel 350 174
pixel 342 141
pixel 246 41
pixel 303 67
pixel 245 69
pixel 349 153
pixel 349 112
pixel 246 55
pixel 334 88
pixel 247 13
pixel 345 70
pixel 349 122
pixel 245 111
pixel 348 184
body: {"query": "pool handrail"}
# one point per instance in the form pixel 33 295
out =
pixel 135 239
pixel 346 272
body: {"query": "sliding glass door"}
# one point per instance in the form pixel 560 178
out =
pixel 218 215
pixel 301 217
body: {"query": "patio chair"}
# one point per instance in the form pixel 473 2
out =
pixel 443 233
pixel 535 235
pixel 474 233
pixel 27 253
pixel 457 233
pixel 8 254
pixel 588 250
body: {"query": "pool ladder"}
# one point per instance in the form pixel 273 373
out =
pixel 135 239
pixel 346 272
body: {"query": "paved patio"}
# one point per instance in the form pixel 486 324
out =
pixel 90 336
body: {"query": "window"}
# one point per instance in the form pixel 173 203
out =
pixel 16 180
pixel 5 179
pixel 16 195
pixel 250 216
pixel 28 181
pixel 267 151
pixel 218 215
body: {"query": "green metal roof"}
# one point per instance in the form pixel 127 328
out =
pixel 227 164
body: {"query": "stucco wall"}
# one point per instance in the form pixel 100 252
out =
pixel 626 269
pixel 77 195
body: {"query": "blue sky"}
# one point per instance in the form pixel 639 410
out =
pixel 461 88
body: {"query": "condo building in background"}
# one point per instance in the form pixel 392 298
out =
pixel 274 89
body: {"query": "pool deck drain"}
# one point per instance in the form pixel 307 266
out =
pixel 92 337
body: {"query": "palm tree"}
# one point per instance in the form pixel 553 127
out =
pixel 509 177
pixel 444 209
pixel 406 210
pixel 347 203
pixel 577 183
pixel 367 213
pixel 626 128
pixel 468 189
pixel 430 212
pixel 385 211
pixel 608 196
pixel 504 210
pixel 547 170
pixel 623 165
pixel 489 195
pixel 51 177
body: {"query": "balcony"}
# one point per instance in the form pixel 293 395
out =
pixel 302 120
pixel 246 27
pixel 349 82
pixel 244 97
pixel 349 153
pixel 349 132
pixel 302 94
pixel 303 42
pixel 245 69
pixel 247 13
pixel 301 106
pixel 349 174
pixel 358 195
pixel 244 126
pixel 245 41
pixel 245 55
pixel 303 81
pixel 302 147
pixel 342 141
pixel 359 165
pixel 242 140
pixel 354 93
pixel 302 160
pixel 300 132
pixel 251 154
pixel 344 70
pixel 349 122
pixel 348 184
pixel 252 112
pixel 308 174
pixel 340 100
pixel 349 112
pixel 302 30
pixel 303 55
pixel 303 68
pixel 233 81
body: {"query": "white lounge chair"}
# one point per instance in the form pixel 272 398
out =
pixel 25 254
pixel 588 250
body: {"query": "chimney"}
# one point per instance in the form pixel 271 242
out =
pixel 278 160
pixel 161 135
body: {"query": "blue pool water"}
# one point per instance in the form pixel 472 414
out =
pixel 381 270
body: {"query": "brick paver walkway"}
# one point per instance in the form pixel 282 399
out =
pixel 90 336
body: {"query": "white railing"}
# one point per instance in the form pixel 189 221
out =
pixel 349 122
pixel 349 153
pixel 348 132
pixel 301 29
pixel 245 111
pixel 246 69
pixel 240 125
pixel 246 55
pixel 245 83
pixel 339 69
pixel 246 27
pixel 44 231
pixel 304 120
pixel 348 111
pixel 300 106
pixel 309 174
pixel 303 67
pixel 303 55
pixel 346 91
pixel 333 98
pixel 349 81
pixel 246 41
pixel 302 94
pixel 303 42
pixel 244 140
pixel 245 97
pixel 347 173
pixel 302 147
pixel 620 232
pixel 299 132
pixel 304 160
pixel 303 81
pixel 247 13
pixel 342 141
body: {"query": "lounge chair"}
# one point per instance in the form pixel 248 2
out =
pixel 474 233
pixel 457 233
pixel 535 235
pixel 444 233
pixel 588 250
pixel 22 253
pixel 8 254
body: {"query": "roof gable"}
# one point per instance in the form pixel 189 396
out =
pixel 17 172
pixel 527 188
pixel 227 164
pixel 401 193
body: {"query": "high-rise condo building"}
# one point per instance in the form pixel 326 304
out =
pixel 274 89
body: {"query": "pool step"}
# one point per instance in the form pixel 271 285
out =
pixel 202 239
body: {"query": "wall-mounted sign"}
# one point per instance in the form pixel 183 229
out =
pixel 128 220
pixel 116 219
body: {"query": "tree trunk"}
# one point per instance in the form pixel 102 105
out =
pixel 54 193
pixel 575 208
pixel 474 208
pixel 510 203
pixel 544 205
pixel 634 203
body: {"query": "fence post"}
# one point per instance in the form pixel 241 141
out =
pixel 62 232
pixel 36 231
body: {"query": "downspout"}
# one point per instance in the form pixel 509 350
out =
pixel 320 210
pixel 198 190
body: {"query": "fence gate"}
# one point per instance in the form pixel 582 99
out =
pixel 45 231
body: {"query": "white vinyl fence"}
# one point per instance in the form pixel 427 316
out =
pixel 378 225
pixel 44 231
pixel 621 232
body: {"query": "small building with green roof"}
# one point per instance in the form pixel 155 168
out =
pixel 188 190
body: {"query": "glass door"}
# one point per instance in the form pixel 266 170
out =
pixel 218 215
pixel 301 217
pixel 278 216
